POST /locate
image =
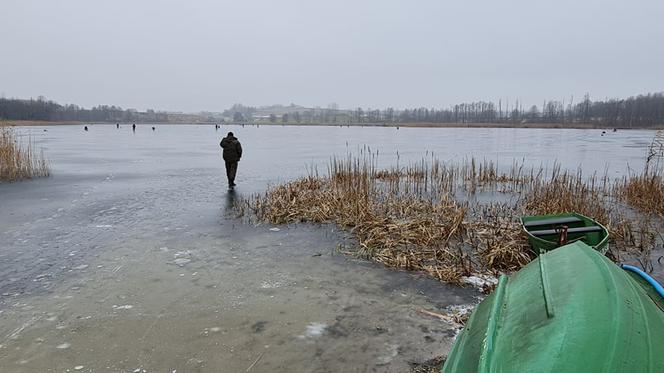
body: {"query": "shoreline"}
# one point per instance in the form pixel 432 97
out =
pixel 30 123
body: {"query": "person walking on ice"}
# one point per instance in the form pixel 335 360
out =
pixel 232 154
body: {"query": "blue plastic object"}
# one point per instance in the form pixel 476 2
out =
pixel 656 285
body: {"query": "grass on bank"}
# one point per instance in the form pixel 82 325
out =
pixel 644 191
pixel 431 216
pixel 17 160
pixel 420 217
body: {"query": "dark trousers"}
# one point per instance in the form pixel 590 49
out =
pixel 231 170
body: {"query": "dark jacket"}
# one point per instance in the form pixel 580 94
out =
pixel 232 149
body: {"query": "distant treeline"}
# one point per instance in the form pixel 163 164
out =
pixel 41 109
pixel 638 112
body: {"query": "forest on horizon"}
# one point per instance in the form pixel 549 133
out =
pixel 642 111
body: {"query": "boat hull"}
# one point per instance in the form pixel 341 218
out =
pixel 598 239
pixel 570 310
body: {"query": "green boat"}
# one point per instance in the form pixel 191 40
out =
pixel 570 310
pixel 546 232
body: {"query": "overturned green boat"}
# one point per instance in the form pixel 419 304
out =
pixel 547 232
pixel 570 310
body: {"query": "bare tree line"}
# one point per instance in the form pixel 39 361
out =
pixel 641 111
pixel 41 109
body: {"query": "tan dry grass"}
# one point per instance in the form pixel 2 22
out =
pixel 408 217
pixel 17 160
pixel 398 229
pixel 404 218
pixel 645 192
pixel 498 238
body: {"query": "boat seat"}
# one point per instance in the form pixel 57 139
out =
pixel 549 232
pixel 553 221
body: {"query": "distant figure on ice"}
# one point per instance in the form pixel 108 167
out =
pixel 133 127
pixel 117 125
pixel 153 128
pixel 232 154
pixel 85 128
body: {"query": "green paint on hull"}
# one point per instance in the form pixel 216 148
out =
pixel 598 240
pixel 570 310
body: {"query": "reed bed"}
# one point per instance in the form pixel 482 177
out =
pixel 18 160
pixel 563 192
pixel 420 217
pixel 497 238
pixel 644 192
pixel 393 225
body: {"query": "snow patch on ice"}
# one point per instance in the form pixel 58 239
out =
pixel 461 309
pixel 271 284
pixel 314 330
pixel 182 257
pixel 125 307
pixel 480 281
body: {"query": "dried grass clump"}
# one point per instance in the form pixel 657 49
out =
pixel 299 200
pixel 564 192
pixel 409 218
pixel 392 223
pixel 645 192
pixel 499 240
pixel 431 366
pixel 18 161
pixel 482 176
pixel 406 217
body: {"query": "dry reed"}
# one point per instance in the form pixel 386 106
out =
pixel 392 224
pixel 498 239
pixel 411 217
pixel 645 192
pixel 17 160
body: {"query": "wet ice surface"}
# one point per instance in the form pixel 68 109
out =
pixel 128 257
pixel 215 313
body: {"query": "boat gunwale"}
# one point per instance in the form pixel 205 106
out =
pixel 601 246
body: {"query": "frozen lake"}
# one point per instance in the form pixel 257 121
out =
pixel 129 258
pixel 276 153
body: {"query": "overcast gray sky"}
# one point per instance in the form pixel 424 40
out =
pixel 206 55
